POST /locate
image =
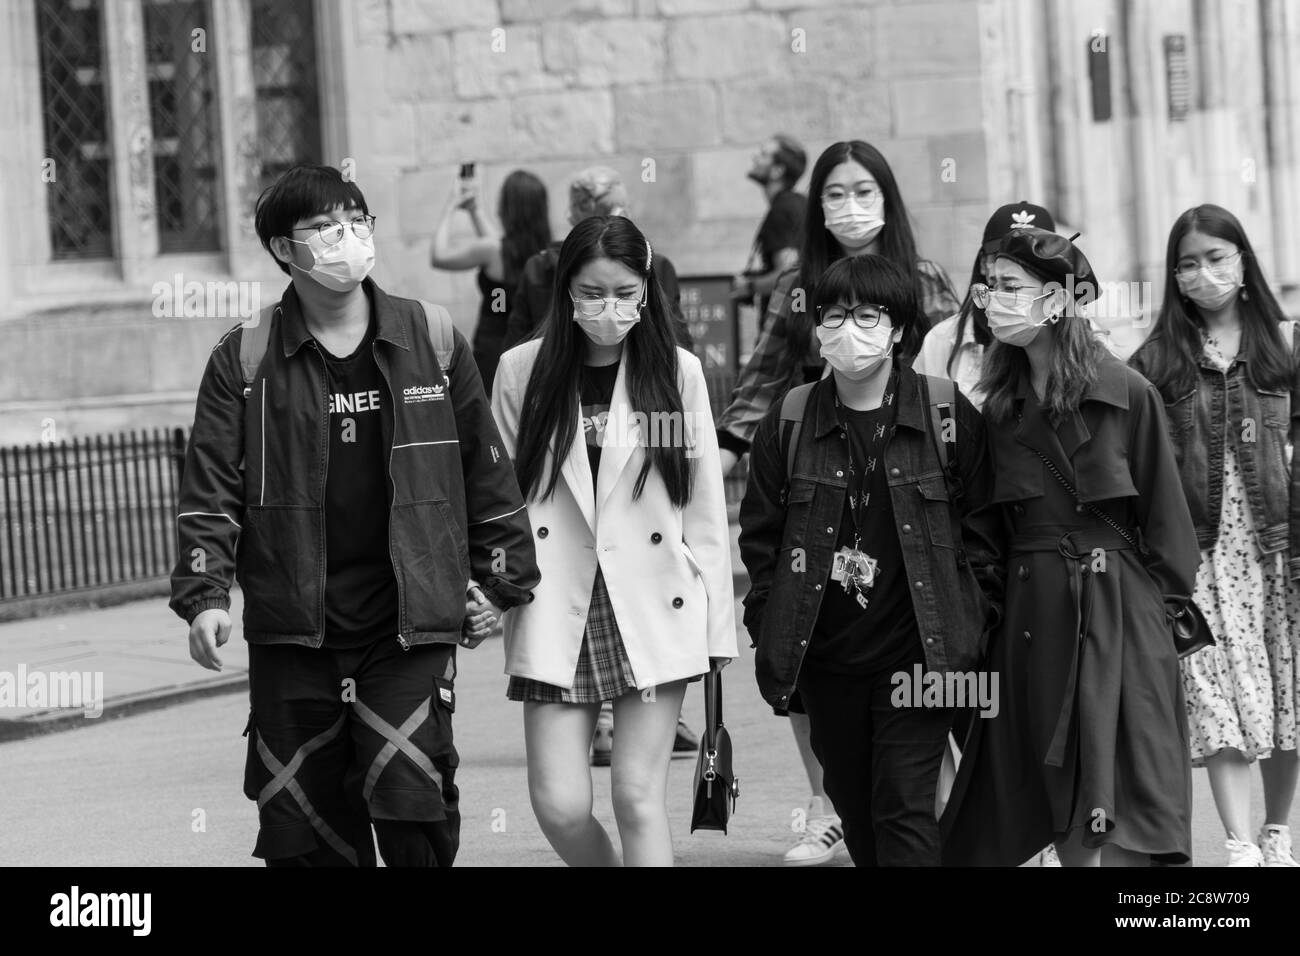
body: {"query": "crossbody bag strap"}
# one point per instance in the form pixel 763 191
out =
pixel 1115 526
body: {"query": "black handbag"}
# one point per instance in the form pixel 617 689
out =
pixel 716 786
pixel 1191 630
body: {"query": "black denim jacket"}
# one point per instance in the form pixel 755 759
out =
pixel 1260 423
pixel 951 549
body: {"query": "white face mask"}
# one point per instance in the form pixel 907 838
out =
pixel 852 223
pixel 1212 289
pixel 856 353
pixel 342 266
pixel 1013 326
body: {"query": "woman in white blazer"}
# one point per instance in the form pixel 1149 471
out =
pixel 636 594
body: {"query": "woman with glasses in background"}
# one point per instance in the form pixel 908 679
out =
pixel 1089 746
pixel 854 208
pixel 1226 362
pixel 609 427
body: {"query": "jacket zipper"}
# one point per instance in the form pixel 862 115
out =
pixel 401 596
pixel 325 442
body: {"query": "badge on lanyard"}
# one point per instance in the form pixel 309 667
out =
pixel 855 570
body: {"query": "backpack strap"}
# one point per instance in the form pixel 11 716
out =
pixel 943 409
pixel 441 334
pixel 253 343
pixel 793 406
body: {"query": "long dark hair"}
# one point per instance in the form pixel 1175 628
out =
pixel 875 280
pixel 1169 357
pixel 525 220
pixel 1072 367
pixel 971 314
pixel 550 405
pixel 820 248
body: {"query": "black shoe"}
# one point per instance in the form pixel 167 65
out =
pixel 686 741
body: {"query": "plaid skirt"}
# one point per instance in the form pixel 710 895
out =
pixel 604 672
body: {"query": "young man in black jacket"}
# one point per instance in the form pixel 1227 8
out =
pixel 356 488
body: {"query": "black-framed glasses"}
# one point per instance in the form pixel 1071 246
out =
pixel 1188 269
pixel 865 316
pixel 331 233
pixel 593 305
pixel 835 198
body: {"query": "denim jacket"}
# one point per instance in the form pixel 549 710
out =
pixel 951 542
pixel 1261 424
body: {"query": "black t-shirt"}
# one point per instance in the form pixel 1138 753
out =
pixel 597 393
pixel 360 586
pixel 782 228
pixel 884 635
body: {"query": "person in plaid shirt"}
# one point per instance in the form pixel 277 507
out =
pixel 858 210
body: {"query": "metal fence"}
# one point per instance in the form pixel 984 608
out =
pixel 88 512
pixel 100 510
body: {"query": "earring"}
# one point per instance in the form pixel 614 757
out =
pixel 1245 294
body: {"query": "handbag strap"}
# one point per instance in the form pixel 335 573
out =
pixel 712 706
pixel 1115 526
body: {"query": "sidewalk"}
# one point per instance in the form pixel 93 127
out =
pixel 140 653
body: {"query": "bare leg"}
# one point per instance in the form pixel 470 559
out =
pixel 1230 784
pixel 643 749
pixel 557 738
pixel 1279 772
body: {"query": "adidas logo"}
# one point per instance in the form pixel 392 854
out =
pixel 423 393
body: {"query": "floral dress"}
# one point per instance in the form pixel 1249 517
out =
pixel 1242 692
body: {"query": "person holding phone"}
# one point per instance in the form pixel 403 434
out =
pixel 498 255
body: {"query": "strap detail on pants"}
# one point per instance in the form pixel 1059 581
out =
pixel 283 779
pixel 398 739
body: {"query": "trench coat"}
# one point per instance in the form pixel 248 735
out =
pixel 1092 730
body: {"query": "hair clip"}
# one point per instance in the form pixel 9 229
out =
pixel 1074 237
pixel 649 256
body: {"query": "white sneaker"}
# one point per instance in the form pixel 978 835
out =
pixel 1241 853
pixel 822 838
pixel 1048 857
pixel 1275 846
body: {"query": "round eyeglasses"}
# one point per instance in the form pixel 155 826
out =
pixel 982 295
pixel 1188 269
pixel 331 233
pixel 591 306
pixel 864 316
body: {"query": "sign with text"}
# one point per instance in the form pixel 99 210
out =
pixel 711 316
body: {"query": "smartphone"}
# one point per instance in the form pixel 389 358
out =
pixel 466 170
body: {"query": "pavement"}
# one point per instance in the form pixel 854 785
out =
pixel 129 791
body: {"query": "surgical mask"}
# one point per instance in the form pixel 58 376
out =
pixel 1211 289
pixel 852 223
pixel 1012 325
pixel 342 266
pixel 607 328
pixel 856 352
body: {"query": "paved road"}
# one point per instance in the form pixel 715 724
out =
pixel 130 791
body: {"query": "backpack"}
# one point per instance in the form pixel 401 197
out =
pixel 256 337
pixel 942 394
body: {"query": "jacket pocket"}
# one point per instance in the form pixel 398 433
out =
pixel 281 561
pixel 937 505
pixel 432 564
pixel 1180 414
pixel 1275 408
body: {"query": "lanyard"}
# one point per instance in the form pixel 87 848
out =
pixel 859 495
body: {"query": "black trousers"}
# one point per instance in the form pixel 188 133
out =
pixel 880 765
pixel 339 740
